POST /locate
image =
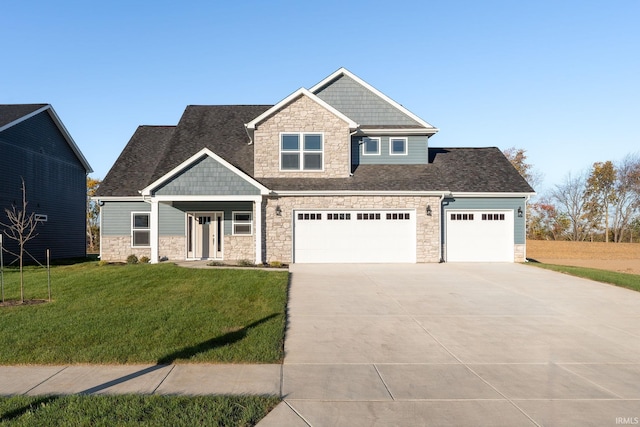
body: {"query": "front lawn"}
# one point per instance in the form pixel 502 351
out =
pixel 145 314
pixel 625 280
pixel 128 410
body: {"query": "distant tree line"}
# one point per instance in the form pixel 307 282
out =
pixel 599 204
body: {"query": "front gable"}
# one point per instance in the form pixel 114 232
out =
pixel 204 174
pixel 302 114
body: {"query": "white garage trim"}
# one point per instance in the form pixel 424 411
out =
pixel 483 235
pixel 354 236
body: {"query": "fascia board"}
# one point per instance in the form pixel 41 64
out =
pixel 211 198
pixel 300 92
pixel 204 152
pixel 361 193
pixel 408 131
pixel 345 72
pixel 117 198
pixel 70 140
pixel 486 195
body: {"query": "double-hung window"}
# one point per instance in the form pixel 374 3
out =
pixel 301 151
pixel 242 223
pixel 397 146
pixel 370 146
pixel 140 229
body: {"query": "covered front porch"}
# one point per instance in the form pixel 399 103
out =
pixel 219 228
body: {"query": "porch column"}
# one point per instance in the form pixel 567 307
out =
pixel 258 221
pixel 153 232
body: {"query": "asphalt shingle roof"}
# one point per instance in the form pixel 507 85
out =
pixel 12 112
pixel 134 168
pixel 153 151
pixel 219 128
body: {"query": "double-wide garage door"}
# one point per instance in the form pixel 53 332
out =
pixel 353 236
pixel 479 236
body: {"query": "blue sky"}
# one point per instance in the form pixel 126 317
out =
pixel 560 79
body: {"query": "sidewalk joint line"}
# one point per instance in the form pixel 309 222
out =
pixel 383 382
pixel 45 380
pixel 162 381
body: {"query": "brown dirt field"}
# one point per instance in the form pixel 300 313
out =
pixel 621 257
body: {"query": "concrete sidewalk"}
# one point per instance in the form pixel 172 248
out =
pixel 196 379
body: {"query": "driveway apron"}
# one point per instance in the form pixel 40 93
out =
pixel 457 344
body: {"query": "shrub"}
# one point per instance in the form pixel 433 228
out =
pixel 144 260
pixel 246 263
pixel 132 259
pixel 275 264
pixel 215 264
pixel 102 263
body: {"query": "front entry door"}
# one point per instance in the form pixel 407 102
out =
pixel 205 233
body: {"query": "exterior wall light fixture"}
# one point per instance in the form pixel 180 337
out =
pixel 278 210
pixel 519 212
pixel 429 212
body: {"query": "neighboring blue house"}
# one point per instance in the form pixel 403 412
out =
pixel 35 146
pixel 338 172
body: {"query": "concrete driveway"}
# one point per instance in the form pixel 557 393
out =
pixel 457 344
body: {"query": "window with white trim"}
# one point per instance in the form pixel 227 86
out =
pixel 370 146
pixel 397 146
pixel 301 151
pixel 140 229
pixel 242 223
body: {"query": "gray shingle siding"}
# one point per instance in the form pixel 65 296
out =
pixel 361 105
pixel 116 217
pixel 478 203
pixel 417 152
pixel 226 207
pixel 207 177
pixel 55 180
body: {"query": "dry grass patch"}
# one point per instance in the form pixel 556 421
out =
pixel 620 257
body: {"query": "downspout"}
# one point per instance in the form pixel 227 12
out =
pixel 440 227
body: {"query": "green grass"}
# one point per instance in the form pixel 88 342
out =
pixel 129 410
pixel 144 314
pixel 625 280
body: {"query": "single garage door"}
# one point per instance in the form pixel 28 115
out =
pixel 479 236
pixel 350 236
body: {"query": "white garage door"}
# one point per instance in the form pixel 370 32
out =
pixel 479 236
pixel 343 236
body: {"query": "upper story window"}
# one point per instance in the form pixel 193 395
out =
pixel 140 229
pixel 370 146
pixel 301 151
pixel 398 146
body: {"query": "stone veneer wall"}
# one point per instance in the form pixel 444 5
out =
pixel 520 253
pixel 118 248
pixel 278 229
pixel 238 248
pixel 302 115
pixel 173 248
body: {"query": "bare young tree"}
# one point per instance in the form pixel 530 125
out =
pixel 570 197
pixel 627 204
pixel 21 228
